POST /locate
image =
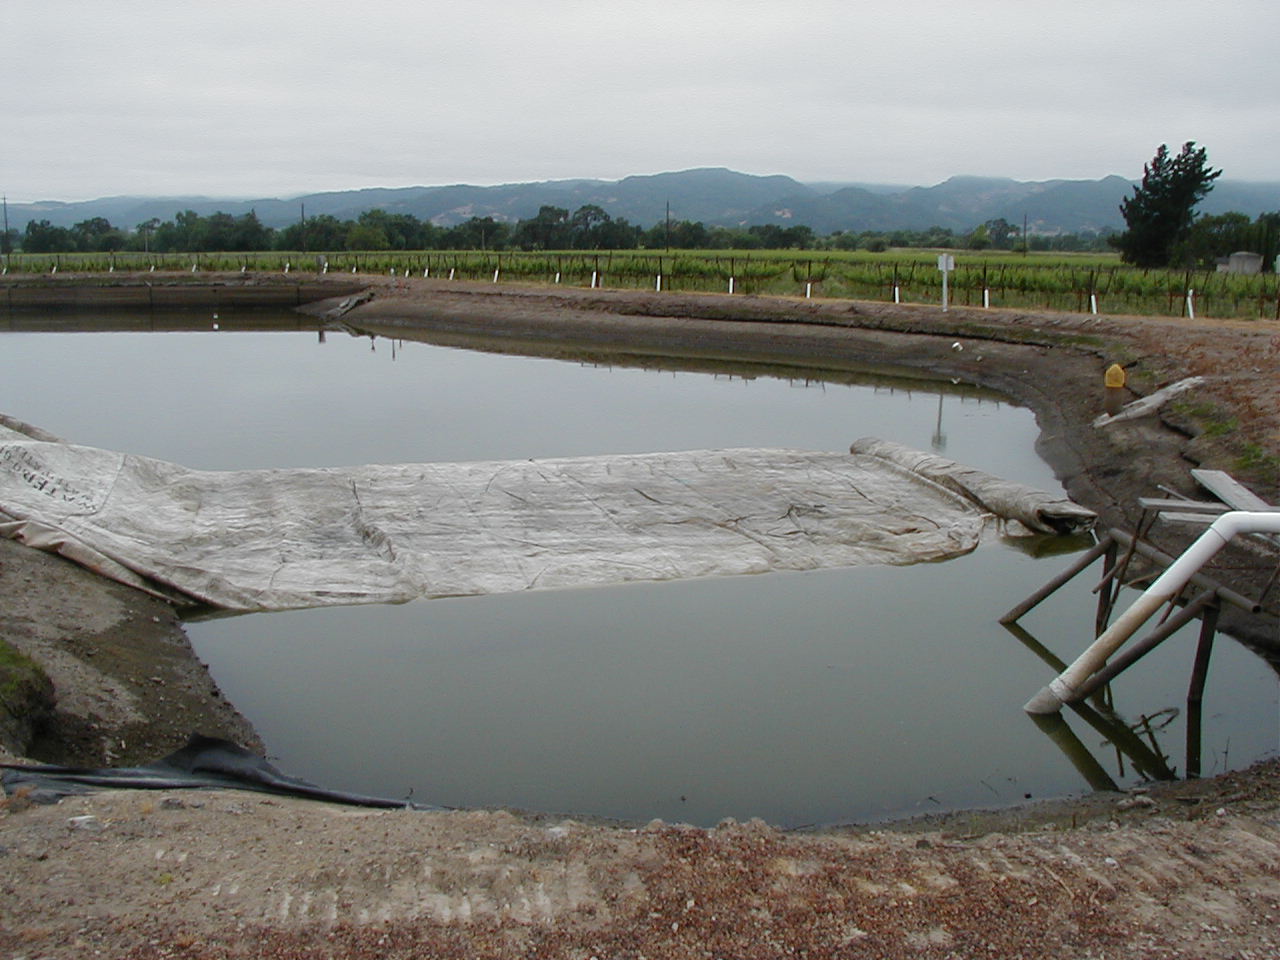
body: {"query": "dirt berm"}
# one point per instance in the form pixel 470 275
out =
pixel 1189 869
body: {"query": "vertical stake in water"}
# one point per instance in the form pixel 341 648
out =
pixel 946 263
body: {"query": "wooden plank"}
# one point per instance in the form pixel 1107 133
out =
pixel 1201 518
pixel 1189 506
pixel 1230 490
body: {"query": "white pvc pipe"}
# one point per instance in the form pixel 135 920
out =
pixel 1062 689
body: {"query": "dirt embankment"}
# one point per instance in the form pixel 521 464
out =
pixel 1186 870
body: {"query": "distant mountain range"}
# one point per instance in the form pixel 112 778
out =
pixel 715 196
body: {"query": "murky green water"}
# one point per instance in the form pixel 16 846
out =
pixel 800 698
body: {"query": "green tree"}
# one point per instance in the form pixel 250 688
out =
pixel 549 230
pixel 478 233
pixel 97 234
pixel 43 237
pixel 682 235
pixel 1002 233
pixel 1161 211
pixel 323 232
pixel 980 239
pixel 367 236
pixel 143 233
pixel 1214 236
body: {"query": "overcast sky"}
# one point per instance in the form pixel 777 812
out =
pixel 275 98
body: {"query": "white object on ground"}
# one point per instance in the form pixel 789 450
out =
pixel 280 539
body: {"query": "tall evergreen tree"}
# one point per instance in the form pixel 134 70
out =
pixel 1162 208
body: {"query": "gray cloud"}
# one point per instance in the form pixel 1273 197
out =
pixel 243 98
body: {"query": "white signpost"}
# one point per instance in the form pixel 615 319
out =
pixel 946 263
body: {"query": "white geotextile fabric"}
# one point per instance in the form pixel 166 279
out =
pixel 1034 509
pixel 280 539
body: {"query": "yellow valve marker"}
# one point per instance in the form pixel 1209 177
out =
pixel 1115 375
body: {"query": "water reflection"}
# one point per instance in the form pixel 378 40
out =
pixel 819 697
pixel 1100 714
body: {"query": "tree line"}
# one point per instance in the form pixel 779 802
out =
pixel 553 228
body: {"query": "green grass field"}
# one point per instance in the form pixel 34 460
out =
pixel 1055 281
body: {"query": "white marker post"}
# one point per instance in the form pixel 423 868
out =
pixel 897 294
pixel 451 269
pixel 594 274
pixel 808 291
pixel 946 263
pixel 986 298
pixel 731 284
pixel 1191 304
pixel 1093 304
pixel 495 274
pixel 657 284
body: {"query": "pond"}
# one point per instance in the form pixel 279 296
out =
pixel 801 698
